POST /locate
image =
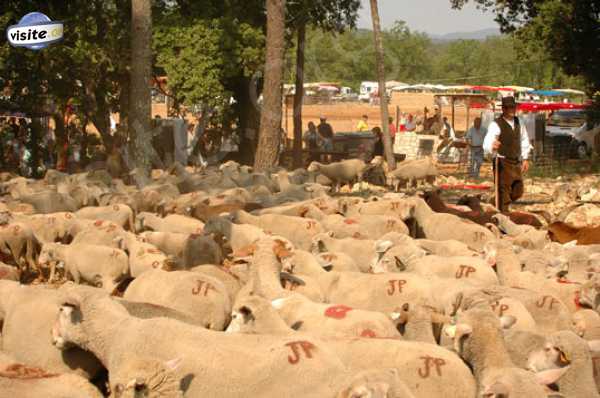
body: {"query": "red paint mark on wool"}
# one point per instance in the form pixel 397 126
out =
pixel 337 311
pixel 350 221
pixel 368 333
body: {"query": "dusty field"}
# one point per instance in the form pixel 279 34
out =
pixel 345 116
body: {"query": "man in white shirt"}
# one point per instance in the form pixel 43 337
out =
pixel 475 137
pixel 508 142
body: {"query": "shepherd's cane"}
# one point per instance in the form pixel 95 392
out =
pixel 497 179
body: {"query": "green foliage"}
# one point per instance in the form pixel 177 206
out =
pixel 412 57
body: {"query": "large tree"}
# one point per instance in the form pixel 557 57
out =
pixel 387 141
pixel 270 119
pixel 568 30
pixel 140 100
pixel 328 15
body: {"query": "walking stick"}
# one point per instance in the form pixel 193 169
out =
pixel 497 180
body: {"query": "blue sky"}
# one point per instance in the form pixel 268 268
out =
pixel 431 16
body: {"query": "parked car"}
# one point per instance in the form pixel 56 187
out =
pixel 573 123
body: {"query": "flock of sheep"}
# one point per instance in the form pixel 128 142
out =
pixel 230 283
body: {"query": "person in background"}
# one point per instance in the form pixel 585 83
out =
pixel 447 135
pixel 392 128
pixel 508 142
pixel 311 141
pixel 475 137
pixel 378 146
pixel 363 124
pixel 410 125
pixel 326 134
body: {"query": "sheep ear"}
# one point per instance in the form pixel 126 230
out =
pixel 550 376
pixel 381 246
pixel 328 267
pixel 594 345
pixel 173 364
pixel 297 325
pixel 507 321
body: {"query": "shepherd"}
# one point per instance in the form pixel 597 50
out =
pixel 507 141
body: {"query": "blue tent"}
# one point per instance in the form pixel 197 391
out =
pixel 547 93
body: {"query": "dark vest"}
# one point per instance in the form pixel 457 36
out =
pixel 510 139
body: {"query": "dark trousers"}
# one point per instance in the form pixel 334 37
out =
pixel 509 186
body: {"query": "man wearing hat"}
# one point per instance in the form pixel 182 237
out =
pixel 507 141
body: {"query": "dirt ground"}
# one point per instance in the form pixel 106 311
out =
pixel 344 117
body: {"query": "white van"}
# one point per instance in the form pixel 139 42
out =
pixel 367 89
pixel 572 123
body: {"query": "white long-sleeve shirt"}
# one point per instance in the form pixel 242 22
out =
pixel 494 132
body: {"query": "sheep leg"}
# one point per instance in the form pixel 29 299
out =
pixel 52 271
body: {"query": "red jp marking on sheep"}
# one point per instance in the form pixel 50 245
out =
pixel 68 216
pixel 98 223
pixel 337 311
pixel 111 228
pixel 541 303
pixel 311 224
pixel 368 333
pixel 576 300
pixel 428 362
pixel 395 205
pixel 501 308
pixel 202 284
pixel 51 220
pixel 464 271
pixel 295 346
pixel 116 208
pixel 155 264
pixel 153 251
pixel 350 221
pixel 390 224
pixel 395 283
pixel 356 235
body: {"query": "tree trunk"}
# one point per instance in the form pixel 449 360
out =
pixel 270 119
pixel 249 117
pixel 298 97
pixel 387 141
pixel 140 100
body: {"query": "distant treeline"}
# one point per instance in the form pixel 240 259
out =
pixel 413 57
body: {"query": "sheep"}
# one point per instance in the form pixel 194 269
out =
pixel 346 171
pixel 363 227
pixel 19 240
pixel 400 208
pixel 219 361
pixel 337 261
pixel 441 226
pixel 563 233
pixel 524 235
pixel 586 324
pixel 433 200
pixel 412 172
pixel 361 250
pixel 333 320
pixel 19 380
pixel 238 235
pixel 478 340
pixel 417 321
pixel 170 243
pixel 147 377
pixel 96 232
pixel 144 256
pixel 97 265
pixel 446 248
pixel 568 356
pixel 171 223
pixel 51 227
pixel 379 292
pixel 297 230
pixel 27 314
pixel 208 300
pixel 122 215
pixel 229 279
pixel 9 273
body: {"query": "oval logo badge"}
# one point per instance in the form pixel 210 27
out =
pixel 35 31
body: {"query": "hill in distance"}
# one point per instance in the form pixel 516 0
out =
pixel 474 35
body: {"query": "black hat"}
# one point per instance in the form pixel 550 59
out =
pixel 509 102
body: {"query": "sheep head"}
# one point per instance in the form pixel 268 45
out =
pixel 142 377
